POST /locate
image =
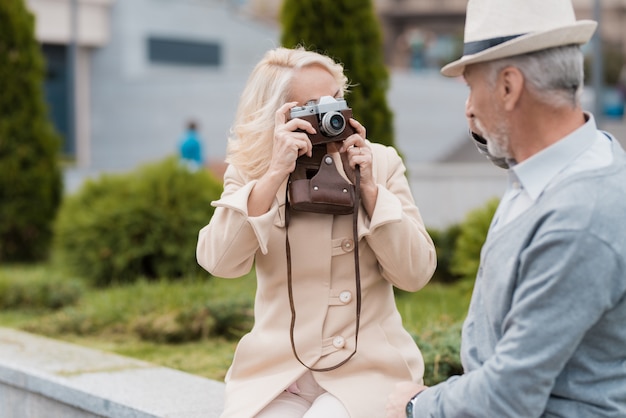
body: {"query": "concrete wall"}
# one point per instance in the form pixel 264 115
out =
pixel 54 23
pixel 140 108
pixel 46 378
pixel 445 193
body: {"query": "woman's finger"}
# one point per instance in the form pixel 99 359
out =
pixel 281 113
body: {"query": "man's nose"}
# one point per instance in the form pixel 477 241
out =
pixel 469 113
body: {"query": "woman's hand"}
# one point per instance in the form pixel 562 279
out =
pixel 397 400
pixel 355 151
pixel 290 142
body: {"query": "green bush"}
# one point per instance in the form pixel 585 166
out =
pixel 37 291
pixel 160 311
pixel 229 319
pixel 440 346
pixel 176 326
pixel 472 235
pixel 30 178
pixel 445 245
pixel 233 318
pixel 145 223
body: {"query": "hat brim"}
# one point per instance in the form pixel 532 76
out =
pixel 576 34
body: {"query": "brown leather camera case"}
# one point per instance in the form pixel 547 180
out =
pixel 325 192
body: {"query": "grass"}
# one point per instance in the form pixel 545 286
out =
pixel 104 318
pixel 108 318
pixel 208 358
pixel 435 305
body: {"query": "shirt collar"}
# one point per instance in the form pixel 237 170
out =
pixel 538 171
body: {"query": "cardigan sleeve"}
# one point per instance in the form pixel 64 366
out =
pixel 567 282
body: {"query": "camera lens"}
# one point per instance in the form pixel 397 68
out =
pixel 336 121
pixel 333 123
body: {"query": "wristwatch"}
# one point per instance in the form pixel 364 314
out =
pixel 410 405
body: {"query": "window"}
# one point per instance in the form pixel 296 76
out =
pixel 57 90
pixel 184 52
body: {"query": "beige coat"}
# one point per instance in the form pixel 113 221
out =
pixel 395 249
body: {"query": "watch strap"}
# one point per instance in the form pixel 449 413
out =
pixel 410 405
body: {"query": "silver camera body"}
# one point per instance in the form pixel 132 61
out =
pixel 330 118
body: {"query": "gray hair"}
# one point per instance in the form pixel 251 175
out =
pixel 555 76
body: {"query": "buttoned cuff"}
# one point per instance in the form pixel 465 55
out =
pixel 261 225
pixel 388 209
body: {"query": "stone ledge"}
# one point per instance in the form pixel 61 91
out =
pixel 36 371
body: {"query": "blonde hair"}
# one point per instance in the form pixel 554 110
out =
pixel 252 134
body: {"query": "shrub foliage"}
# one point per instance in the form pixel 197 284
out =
pixel 230 319
pixel 445 245
pixel 41 290
pixel 161 311
pixel 145 223
pixel 30 178
pixel 472 235
pixel 440 346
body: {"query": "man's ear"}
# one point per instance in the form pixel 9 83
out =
pixel 510 87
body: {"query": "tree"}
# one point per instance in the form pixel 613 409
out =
pixel 349 32
pixel 30 178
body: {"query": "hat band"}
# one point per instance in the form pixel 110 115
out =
pixel 475 47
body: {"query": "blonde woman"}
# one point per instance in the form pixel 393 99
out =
pixel 322 344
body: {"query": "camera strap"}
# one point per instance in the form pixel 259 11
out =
pixel 357 274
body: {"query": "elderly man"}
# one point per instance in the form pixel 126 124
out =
pixel 545 335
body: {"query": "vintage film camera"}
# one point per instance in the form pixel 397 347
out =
pixel 329 117
pixel 315 185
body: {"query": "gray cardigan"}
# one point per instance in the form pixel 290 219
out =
pixel 545 335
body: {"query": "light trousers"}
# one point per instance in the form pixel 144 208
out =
pixel 305 399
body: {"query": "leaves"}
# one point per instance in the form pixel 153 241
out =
pixel 30 177
pixel 145 223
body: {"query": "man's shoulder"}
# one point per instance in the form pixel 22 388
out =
pixel 593 203
pixel 604 186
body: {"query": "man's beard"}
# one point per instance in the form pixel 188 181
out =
pixel 497 141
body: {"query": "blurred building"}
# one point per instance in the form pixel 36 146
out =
pixel 425 33
pixel 125 76
pixel 141 70
pixel 439 23
pixel 55 28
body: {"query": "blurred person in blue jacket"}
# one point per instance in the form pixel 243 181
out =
pixel 190 147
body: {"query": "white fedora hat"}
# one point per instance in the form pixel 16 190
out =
pixel 503 28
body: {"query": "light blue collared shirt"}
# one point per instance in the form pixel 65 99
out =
pixel 570 155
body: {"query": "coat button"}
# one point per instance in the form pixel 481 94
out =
pixel 339 342
pixel 345 296
pixel 347 245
